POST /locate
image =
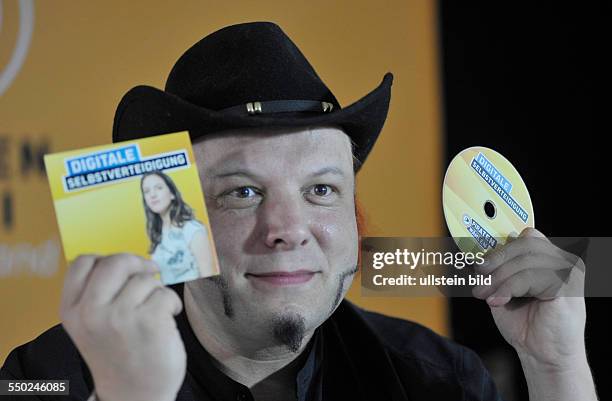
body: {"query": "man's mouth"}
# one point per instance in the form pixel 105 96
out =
pixel 283 277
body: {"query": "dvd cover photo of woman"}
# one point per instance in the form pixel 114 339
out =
pixel 179 243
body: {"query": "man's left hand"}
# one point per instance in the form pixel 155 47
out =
pixel 536 299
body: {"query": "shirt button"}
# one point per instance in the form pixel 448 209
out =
pixel 242 397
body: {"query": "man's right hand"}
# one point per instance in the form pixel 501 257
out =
pixel 121 319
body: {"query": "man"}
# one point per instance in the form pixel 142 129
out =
pixel 277 159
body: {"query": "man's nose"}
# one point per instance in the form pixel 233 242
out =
pixel 285 221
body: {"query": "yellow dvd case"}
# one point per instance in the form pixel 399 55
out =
pixel 142 197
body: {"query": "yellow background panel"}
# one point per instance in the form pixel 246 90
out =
pixel 85 55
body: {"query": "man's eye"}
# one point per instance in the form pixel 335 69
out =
pixel 243 192
pixel 322 189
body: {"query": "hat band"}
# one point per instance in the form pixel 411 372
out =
pixel 278 106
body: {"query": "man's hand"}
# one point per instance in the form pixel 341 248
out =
pixel 120 318
pixel 546 325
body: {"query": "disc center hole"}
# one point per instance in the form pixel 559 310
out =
pixel 490 210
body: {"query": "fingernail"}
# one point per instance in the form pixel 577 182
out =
pixel 493 300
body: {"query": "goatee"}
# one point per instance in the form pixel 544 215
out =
pixel 289 330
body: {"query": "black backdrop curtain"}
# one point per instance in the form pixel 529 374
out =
pixel 529 80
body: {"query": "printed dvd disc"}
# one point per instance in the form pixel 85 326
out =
pixel 485 200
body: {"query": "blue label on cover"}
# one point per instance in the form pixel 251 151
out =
pixel 103 160
pixel 107 169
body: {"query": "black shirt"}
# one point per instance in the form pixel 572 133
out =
pixel 201 371
pixel 354 355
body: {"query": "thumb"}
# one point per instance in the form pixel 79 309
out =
pixel 531 232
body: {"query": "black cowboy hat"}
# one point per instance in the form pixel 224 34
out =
pixel 248 75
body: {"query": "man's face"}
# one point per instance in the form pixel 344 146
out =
pixel 281 207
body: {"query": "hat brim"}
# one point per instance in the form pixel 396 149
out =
pixel 147 111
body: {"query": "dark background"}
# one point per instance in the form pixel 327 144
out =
pixel 529 81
